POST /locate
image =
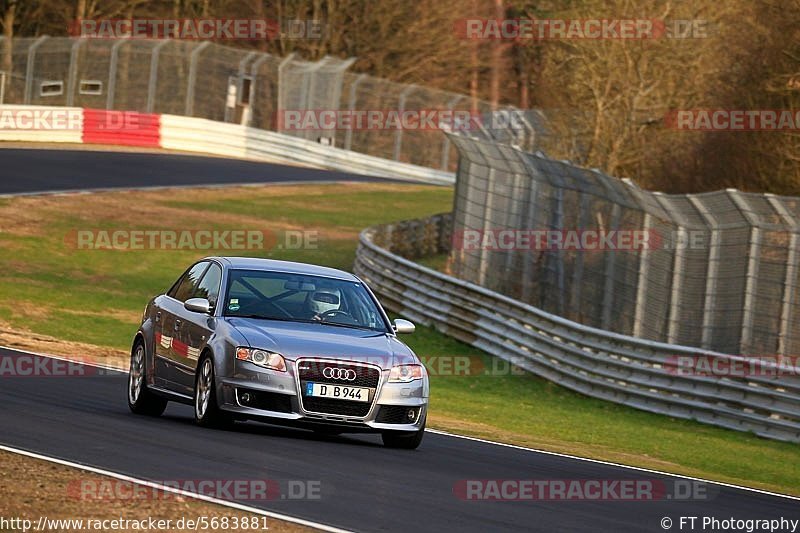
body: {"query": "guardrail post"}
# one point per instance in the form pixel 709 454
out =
pixel 152 84
pixel 610 266
pixel 487 210
pixel 676 289
pixel 748 312
pixel 73 70
pixel 790 278
pixel 240 76
pixel 577 271
pixel 528 216
pixel 401 107
pixel 641 282
pixel 335 95
pixel 711 270
pixel 446 143
pixel 281 90
pixel 254 75
pixel 193 59
pixel 555 258
pixel 348 135
pixel 308 87
pixel 31 63
pixel 112 73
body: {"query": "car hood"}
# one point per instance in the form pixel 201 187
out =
pixel 297 339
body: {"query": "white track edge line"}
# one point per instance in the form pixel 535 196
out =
pixel 503 444
pixel 617 465
pixel 200 497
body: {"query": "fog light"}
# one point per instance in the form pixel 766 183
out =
pixel 246 397
pixel 411 414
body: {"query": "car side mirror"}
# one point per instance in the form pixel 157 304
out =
pixel 198 305
pixel 403 326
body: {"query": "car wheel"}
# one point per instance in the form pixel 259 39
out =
pixel 403 439
pixel 206 409
pixel 140 400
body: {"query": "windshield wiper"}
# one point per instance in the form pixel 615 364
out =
pixel 339 324
pixel 279 319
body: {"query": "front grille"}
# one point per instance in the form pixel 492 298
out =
pixel 268 401
pixel 366 376
pixel 396 414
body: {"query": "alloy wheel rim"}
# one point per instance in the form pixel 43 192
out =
pixel 203 389
pixel 136 375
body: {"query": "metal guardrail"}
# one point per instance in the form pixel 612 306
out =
pixel 598 363
pixel 233 140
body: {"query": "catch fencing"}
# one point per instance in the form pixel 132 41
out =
pixel 720 270
pixel 622 369
pixel 206 80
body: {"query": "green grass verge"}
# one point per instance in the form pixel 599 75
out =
pixel 96 296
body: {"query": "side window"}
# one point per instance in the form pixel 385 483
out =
pixel 185 289
pixel 209 285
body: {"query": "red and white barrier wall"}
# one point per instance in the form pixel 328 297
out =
pixel 125 128
pixel 76 125
pixel 153 130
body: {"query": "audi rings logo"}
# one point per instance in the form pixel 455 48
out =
pixel 344 374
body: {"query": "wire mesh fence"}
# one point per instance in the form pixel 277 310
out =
pixel 207 80
pixel 714 270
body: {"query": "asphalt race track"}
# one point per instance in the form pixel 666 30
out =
pixel 363 486
pixel 36 170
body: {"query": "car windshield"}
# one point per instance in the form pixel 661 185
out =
pixel 301 298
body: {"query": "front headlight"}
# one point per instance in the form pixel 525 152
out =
pixel 262 358
pixel 406 373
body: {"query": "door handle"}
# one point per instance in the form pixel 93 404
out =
pixel 177 325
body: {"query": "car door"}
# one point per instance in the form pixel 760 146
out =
pixel 171 364
pixel 196 328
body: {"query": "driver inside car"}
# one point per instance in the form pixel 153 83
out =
pixel 324 303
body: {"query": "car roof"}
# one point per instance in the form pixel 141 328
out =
pixel 290 267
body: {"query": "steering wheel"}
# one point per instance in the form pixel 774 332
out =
pixel 334 312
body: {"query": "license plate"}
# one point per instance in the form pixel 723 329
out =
pixel 337 392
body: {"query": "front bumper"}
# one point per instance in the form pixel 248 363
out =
pixel 258 393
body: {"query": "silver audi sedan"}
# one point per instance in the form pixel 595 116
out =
pixel 280 342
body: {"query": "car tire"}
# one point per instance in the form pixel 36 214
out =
pixel 403 440
pixel 206 409
pixel 140 399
